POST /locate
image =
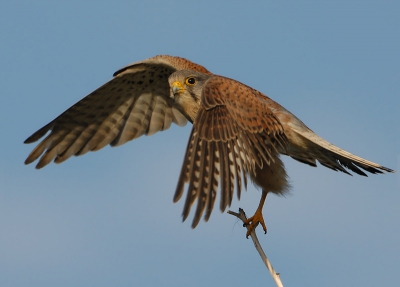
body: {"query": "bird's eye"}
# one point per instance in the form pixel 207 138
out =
pixel 190 81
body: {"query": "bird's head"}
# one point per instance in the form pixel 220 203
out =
pixel 186 87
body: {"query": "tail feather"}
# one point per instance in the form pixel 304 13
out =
pixel 334 157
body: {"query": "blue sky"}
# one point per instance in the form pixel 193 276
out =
pixel 107 218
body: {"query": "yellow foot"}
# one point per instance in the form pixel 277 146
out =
pixel 253 222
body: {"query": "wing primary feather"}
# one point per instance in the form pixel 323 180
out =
pixel 243 162
pixel 213 184
pixel 225 177
pixel 203 181
pixel 38 150
pixel 39 134
pixel 231 173
pixel 192 191
pixel 186 167
pixel 236 169
pixel 49 144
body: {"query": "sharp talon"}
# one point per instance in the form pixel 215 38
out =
pixel 252 222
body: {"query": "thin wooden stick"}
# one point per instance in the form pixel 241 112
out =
pixel 242 216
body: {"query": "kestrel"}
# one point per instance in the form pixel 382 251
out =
pixel 237 132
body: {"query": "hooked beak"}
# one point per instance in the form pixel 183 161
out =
pixel 176 88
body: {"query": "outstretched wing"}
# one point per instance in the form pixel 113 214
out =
pixel 135 102
pixel 233 133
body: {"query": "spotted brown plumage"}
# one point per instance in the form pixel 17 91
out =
pixel 239 132
pixel 135 102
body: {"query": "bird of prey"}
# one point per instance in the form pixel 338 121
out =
pixel 237 132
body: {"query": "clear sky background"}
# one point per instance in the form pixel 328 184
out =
pixel 107 218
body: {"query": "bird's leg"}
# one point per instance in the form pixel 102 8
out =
pixel 257 218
